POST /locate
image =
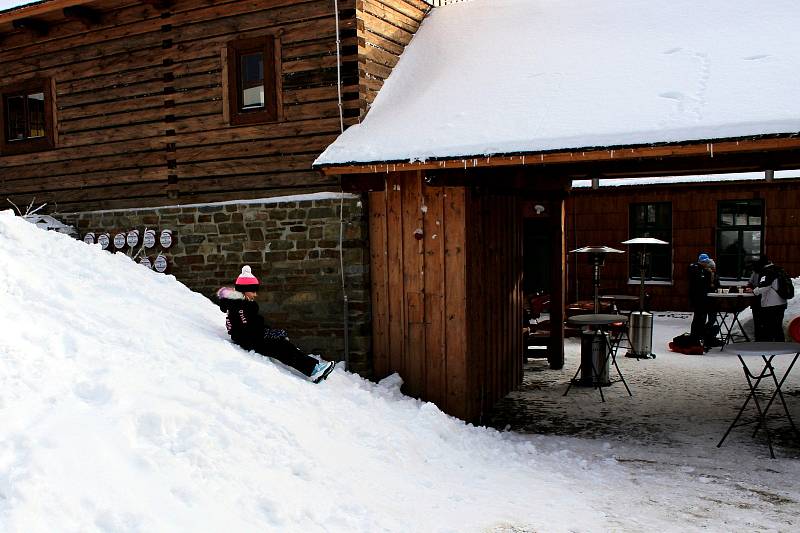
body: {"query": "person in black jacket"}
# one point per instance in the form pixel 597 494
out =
pixel 247 329
pixel 702 280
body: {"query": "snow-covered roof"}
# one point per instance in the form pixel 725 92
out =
pixel 8 5
pixel 525 76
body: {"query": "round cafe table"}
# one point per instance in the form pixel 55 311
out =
pixel 617 298
pixel 597 322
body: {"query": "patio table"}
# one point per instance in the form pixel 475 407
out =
pixel 597 322
pixel 763 352
pixel 615 300
pixel 728 306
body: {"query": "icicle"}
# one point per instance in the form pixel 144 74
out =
pixel 523 160
pixel 712 149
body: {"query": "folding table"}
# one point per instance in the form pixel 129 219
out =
pixel 757 353
pixel 727 307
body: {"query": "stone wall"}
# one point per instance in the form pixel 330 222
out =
pixel 292 247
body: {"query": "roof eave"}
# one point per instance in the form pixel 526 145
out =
pixel 781 141
pixel 39 8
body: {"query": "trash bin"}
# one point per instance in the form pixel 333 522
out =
pixel 594 353
pixel 640 333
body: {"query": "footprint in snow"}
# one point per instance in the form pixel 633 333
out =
pixel 93 393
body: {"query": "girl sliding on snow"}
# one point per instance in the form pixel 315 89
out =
pixel 247 329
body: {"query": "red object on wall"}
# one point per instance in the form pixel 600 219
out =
pixel 794 329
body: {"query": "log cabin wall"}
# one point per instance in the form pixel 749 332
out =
pixel 384 28
pixel 140 103
pixel 495 299
pixel 601 217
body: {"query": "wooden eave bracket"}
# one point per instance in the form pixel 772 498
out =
pixel 87 15
pixel 37 26
pixel 158 4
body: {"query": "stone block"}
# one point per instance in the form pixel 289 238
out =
pixel 253 257
pixel 189 260
pixel 280 245
pixel 187 218
pixel 315 233
pixel 296 214
pixel 221 217
pixel 210 209
pixel 275 257
pixel 304 244
pixel 255 234
pixel 255 246
pixel 232 247
pixel 231 227
pixel 277 214
pixel 296 255
pixel 193 238
pixel 321 212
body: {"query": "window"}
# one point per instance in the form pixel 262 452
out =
pixel 253 81
pixel 26 116
pixel 740 227
pixel 652 220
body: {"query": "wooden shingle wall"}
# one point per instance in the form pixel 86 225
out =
pixel 140 103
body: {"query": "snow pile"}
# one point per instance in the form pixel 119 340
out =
pixel 125 408
pixel 519 76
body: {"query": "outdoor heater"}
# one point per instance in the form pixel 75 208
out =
pixel 640 325
pixel 597 257
pixel 595 343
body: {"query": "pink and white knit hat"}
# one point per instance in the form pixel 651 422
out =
pixel 247 282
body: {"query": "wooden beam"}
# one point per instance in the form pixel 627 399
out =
pixel 37 26
pixel 707 151
pixel 159 4
pixel 87 15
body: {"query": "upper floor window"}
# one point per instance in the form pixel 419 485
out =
pixel 740 227
pixel 652 220
pixel 26 116
pixel 253 86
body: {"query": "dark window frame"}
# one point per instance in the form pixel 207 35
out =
pixel 269 46
pixel 662 253
pixel 741 258
pixel 37 144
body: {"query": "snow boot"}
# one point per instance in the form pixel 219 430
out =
pixel 321 371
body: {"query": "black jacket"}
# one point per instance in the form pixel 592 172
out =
pixel 245 324
pixel 701 282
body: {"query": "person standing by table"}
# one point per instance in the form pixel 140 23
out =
pixel 769 284
pixel 702 280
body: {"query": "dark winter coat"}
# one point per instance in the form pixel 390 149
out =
pixel 701 282
pixel 245 324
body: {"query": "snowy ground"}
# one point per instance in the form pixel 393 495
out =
pixel 124 408
pixel 665 436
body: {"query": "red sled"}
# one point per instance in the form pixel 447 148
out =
pixel 696 349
